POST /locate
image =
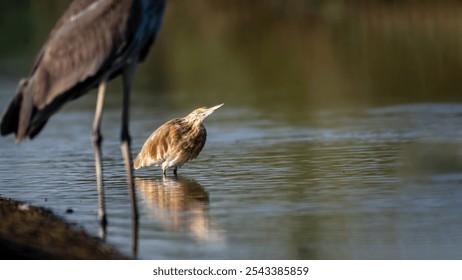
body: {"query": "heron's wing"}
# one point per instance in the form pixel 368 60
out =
pixel 73 9
pixel 155 149
pixel 163 139
pixel 178 141
pixel 192 147
pixel 87 41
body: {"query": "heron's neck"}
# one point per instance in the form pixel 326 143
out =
pixel 195 122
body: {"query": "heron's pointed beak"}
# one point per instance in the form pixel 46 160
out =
pixel 216 107
pixel 210 110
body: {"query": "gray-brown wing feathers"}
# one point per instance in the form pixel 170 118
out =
pixel 74 8
pixel 90 42
pixel 85 43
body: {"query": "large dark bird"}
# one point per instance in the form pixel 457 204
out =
pixel 93 42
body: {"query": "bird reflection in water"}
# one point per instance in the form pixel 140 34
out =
pixel 179 204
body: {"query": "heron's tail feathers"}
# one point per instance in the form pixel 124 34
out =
pixel 10 118
pixel 18 113
pixel 22 117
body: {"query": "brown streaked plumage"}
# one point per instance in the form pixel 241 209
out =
pixel 175 142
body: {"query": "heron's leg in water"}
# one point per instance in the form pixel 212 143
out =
pixel 96 141
pixel 128 73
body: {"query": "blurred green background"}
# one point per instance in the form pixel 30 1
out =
pixel 306 53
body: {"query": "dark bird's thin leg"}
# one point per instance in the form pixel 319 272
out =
pixel 125 139
pixel 96 141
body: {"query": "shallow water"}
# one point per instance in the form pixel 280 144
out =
pixel 359 183
pixel 340 137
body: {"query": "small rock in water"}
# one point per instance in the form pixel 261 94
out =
pixel 69 211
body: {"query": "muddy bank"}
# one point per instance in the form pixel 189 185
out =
pixel 29 232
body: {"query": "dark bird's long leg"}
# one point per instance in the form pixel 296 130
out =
pixel 96 141
pixel 128 73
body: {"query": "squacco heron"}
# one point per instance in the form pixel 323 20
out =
pixel 175 142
